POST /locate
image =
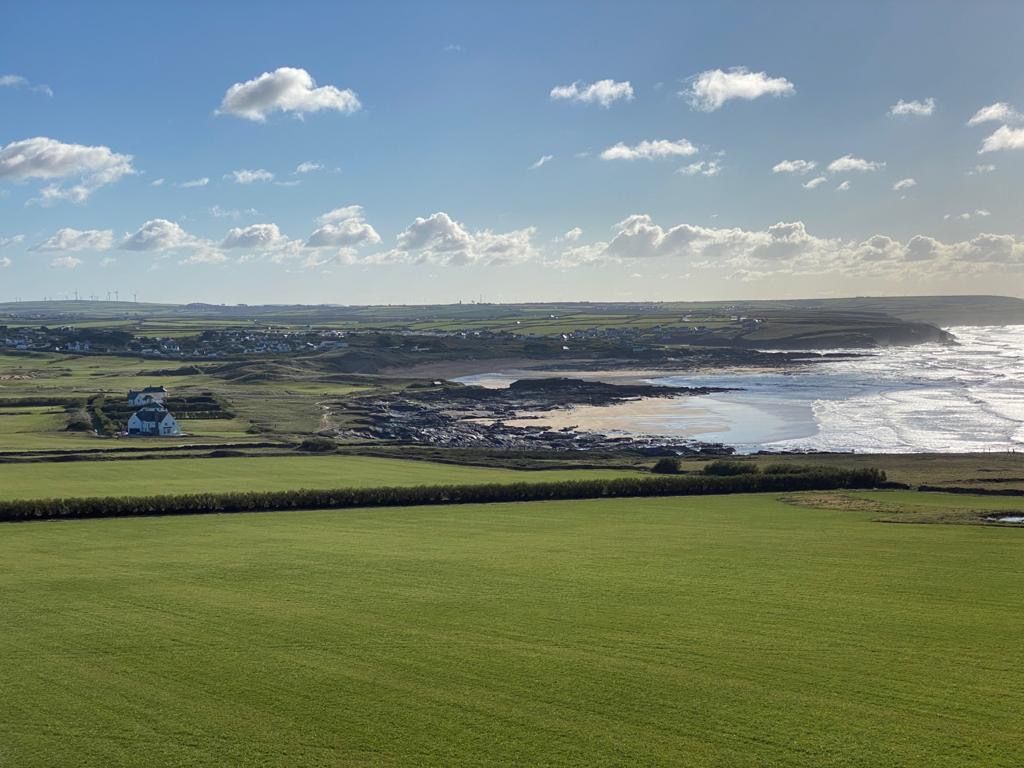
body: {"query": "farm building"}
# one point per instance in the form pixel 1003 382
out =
pixel 147 396
pixel 153 419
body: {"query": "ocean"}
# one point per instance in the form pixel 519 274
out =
pixel 967 397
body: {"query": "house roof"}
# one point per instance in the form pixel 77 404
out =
pixel 152 415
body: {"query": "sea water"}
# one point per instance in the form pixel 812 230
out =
pixel 929 397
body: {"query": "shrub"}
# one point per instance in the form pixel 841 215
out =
pixel 317 445
pixel 729 468
pixel 666 466
pixel 786 469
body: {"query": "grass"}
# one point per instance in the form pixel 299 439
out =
pixel 727 631
pixel 255 473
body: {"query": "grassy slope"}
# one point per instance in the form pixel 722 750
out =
pixel 728 631
pixel 267 473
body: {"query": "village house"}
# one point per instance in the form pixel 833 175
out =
pixel 147 396
pixel 153 419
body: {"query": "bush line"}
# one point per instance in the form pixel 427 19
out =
pixel 342 498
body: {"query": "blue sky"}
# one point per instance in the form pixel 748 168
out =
pixel 424 121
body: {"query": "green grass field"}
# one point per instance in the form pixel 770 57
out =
pixel 255 473
pixel 718 631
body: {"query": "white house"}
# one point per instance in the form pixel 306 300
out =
pixel 147 396
pixel 153 419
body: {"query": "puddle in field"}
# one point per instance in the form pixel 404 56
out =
pixel 1006 519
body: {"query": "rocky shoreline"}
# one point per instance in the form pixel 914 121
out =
pixel 469 416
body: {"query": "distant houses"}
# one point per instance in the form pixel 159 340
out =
pixel 152 418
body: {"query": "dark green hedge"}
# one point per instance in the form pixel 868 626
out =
pixel 211 503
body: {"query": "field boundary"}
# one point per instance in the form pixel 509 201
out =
pixel 814 479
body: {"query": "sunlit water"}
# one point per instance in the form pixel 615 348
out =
pixel 932 397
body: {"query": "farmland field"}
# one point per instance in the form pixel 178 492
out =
pixel 714 631
pixel 254 473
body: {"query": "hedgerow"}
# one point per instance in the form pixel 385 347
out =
pixel 342 498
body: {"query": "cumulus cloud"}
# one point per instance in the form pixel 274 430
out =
pixel 1004 138
pixel 195 183
pixel 544 159
pixel 787 247
pixel 159 235
pixel 795 166
pixel 912 108
pixel 903 184
pixel 13 240
pixel 848 163
pixel 603 92
pixel 18 81
pixel 1000 112
pixel 572 235
pixel 817 181
pixel 980 169
pixel 5 262
pixel 66 262
pixel 287 89
pixel 247 176
pixel 69 239
pixel 650 150
pixel 48 159
pixel 843 186
pixel 307 167
pixel 157 182
pixel 254 237
pixel 343 227
pixel 702 168
pixel 710 90
pixel 439 239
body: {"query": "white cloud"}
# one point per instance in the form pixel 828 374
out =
pixel 247 176
pixel 1004 138
pixel 66 262
pixel 307 167
pixel 157 182
pixel 603 92
pixel 978 170
pixel 341 214
pixel 649 150
pixel 709 90
pixel 572 235
pixel 1000 112
pixel 903 184
pixel 843 186
pixel 982 212
pixel 848 163
pixel 258 237
pixel 195 183
pixel 912 108
pixel 13 240
pixel 702 168
pixel 44 158
pixel 287 89
pixel 439 239
pixel 68 239
pixel 17 81
pixel 230 213
pixel 343 228
pixel 5 262
pixel 787 247
pixel 543 160
pixel 159 235
pixel 817 181
pixel 795 166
